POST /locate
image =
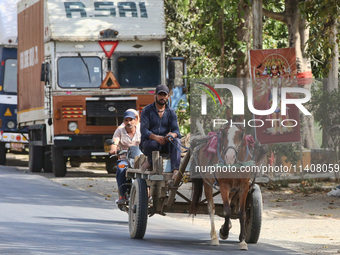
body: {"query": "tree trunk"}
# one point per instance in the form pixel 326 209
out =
pixel 243 36
pixel 331 82
pixel 257 25
pixel 333 72
pixel 222 42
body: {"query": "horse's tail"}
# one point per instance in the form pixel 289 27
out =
pixel 197 187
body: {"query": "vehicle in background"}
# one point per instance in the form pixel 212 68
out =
pixel 11 138
pixel 82 65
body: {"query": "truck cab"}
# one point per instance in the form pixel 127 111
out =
pixel 90 61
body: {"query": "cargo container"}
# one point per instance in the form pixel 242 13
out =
pixel 82 64
pixel 11 138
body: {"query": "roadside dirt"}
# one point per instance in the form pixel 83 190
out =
pixel 297 218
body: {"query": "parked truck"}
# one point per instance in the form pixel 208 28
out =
pixel 11 138
pixel 82 64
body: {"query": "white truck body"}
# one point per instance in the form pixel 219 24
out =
pixel 8 23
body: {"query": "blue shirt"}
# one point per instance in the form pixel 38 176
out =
pixel 151 123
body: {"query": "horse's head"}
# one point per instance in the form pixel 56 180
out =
pixel 232 140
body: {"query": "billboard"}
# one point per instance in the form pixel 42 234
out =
pixel 272 70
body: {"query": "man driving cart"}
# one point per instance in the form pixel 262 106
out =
pixel 160 131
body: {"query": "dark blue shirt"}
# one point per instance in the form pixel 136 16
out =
pixel 151 123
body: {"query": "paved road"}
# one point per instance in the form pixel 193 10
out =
pixel 38 216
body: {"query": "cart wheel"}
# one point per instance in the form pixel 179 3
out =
pixel 138 209
pixel 254 215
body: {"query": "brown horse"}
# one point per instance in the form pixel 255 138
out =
pixel 232 149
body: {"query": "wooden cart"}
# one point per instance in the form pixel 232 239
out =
pixel 164 191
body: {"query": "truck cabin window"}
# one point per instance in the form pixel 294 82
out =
pixel 139 71
pixel 74 73
pixel 10 76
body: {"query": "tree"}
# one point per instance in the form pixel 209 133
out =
pixel 243 31
pixel 257 25
pixel 322 17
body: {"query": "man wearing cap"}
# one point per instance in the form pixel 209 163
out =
pixel 124 137
pixel 158 125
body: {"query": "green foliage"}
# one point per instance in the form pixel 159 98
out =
pixel 275 33
pixel 288 150
pixel 198 30
pixel 325 106
pixel 320 14
pixel 183 117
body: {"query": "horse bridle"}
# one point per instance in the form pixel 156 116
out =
pixel 237 150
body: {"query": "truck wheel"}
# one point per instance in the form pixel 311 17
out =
pixel 48 160
pixel 58 162
pixel 254 215
pixel 75 161
pixel 111 166
pixel 3 151
pixel 36 158
pixel 138 209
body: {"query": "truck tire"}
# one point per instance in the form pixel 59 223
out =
pixel 138 209
pixel 254 215
pixel 3 151
pixel 58 162
pixel 75 161
pixel 48 160
pixel 36 158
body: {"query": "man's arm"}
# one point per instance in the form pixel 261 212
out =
pixel 145 125
pixel 160 139
pixel 116 140
pixel 174 125
pixel 145 128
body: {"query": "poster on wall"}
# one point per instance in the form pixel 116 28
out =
pixel 270 69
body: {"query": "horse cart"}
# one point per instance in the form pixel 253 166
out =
pixel 164 190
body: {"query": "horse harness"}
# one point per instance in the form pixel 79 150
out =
pixel 223 151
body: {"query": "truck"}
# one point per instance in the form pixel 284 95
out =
pixel 11 138
pixel 82 64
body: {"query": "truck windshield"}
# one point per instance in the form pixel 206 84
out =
pixel 73 73
pixel 139 71
pixel 10 77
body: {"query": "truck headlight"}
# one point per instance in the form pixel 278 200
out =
pixel 10 124
pixel 72 126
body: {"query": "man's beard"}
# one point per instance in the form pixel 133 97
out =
pixel 160 103
pixel 129 126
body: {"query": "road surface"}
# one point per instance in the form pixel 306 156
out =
pixel 39 216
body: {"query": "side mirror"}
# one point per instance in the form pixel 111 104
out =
pixel 45 72
pixel 109 142
pixel 176 72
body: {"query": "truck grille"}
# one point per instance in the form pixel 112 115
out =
pixel 108 108
pixel 107 113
